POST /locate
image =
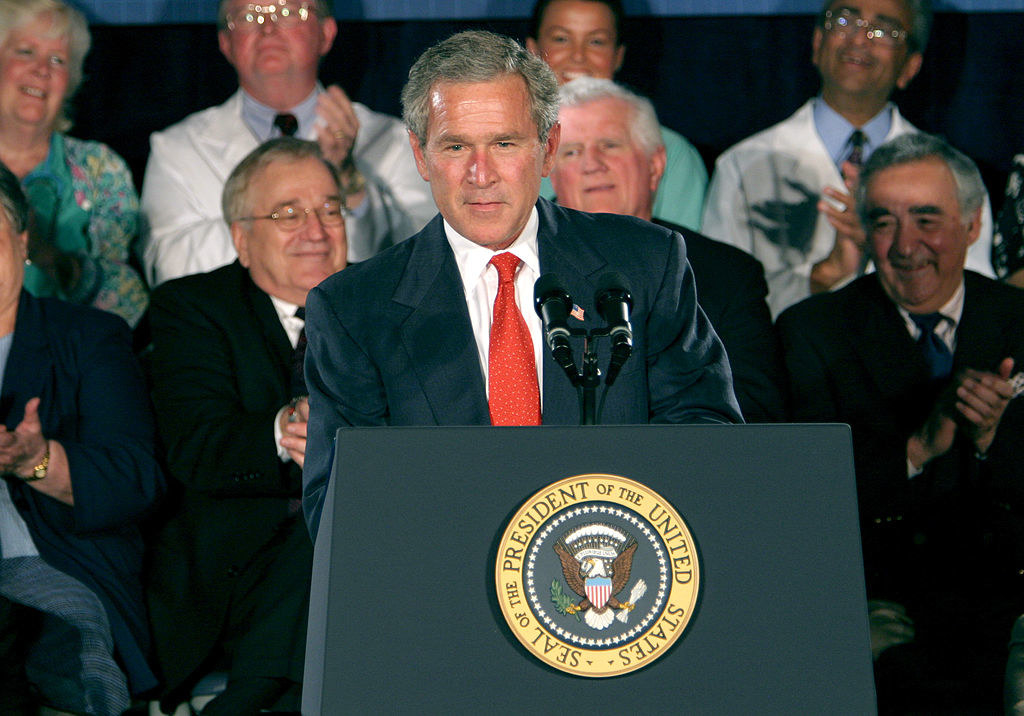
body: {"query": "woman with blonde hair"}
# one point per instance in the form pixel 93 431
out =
pixel 84 205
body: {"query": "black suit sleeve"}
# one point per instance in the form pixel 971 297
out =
pixel 110 449
pixel 216 393
pixel 745 326
pixel 687 368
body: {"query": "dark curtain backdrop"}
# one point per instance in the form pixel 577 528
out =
pixel 714 79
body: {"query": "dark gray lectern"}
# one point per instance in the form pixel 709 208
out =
pixel 404 614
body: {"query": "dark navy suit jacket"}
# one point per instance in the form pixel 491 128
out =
pixel 79 362
pixel 390 340
pixel 732 290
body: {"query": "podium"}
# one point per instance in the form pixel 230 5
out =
pixel 405 615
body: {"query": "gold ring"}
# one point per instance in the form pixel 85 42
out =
pixel 339 134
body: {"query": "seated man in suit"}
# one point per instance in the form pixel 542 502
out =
pixel 784 194
pixel 276 51
pixel 611 159
pixel 229 583
pixel 430 333
pixel 916 358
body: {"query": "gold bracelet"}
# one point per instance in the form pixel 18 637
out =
pixel 39 471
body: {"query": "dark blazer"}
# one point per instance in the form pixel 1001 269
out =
pixel 220 369
pixel 390 340
pixel 850 359
pixel 79 362
pixel 731 289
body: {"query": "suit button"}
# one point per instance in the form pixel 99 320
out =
pixel 233 571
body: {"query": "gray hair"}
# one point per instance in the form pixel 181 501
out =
pixel 67 22
pixel 322 8
pixel 916 147
pixel 478 56
pixel 12 200
pixel 237 200
pixel 643 120
pixel 920 24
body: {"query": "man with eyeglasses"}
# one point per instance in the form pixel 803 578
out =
pixel 275 49
pixel 785 194
pixel 228 588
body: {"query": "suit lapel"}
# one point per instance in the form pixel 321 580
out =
pixel 29 364
pixel 436 332
pixel 225 137
pixel 260 306
pixel 979 340
pixel 879 337
pixel 564 251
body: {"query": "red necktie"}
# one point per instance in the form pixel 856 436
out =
pixel 511 368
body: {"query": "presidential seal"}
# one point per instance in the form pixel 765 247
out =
pixel 597 575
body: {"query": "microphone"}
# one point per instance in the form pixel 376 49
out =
pixel 614 304
pixel 553 305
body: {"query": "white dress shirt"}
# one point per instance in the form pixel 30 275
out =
pixel 480 285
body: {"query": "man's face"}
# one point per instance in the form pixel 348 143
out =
pixel 599 166
pixel 918 237
pixel 577 39
pixel 275 53
pixel 856 68
pixel 287 264
pixel 483 159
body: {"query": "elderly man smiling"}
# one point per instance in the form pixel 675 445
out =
pixel 611 159
pixel 916 359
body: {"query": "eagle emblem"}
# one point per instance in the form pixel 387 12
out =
pixel 596 561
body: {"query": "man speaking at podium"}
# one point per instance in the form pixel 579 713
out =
pixel 440 329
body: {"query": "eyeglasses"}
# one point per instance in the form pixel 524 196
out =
pixel 280 13
pixel 293 218
pixel 846 22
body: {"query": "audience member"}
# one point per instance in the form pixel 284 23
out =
pixel 916 359
pixel 78 474
pixel 581 38
pixel 1008 244
pixel 276 50
pixel 81 193
pixel 428 333
pixel 611 159
pixel 231 568
pixel 785 194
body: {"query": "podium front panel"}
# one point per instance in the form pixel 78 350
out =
pixel 405 617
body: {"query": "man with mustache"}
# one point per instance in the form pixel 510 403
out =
pixel 917 359
pixel 785 194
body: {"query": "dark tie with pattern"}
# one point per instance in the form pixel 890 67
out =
pixel 936 353
pixel 856 155
pixel 514 396
pixel 287 124
pixel 298 378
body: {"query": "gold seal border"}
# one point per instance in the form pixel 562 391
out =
pixel 511 562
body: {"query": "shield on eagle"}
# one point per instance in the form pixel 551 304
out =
pixel 598 590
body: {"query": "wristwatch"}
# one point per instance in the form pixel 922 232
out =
pixel 39 471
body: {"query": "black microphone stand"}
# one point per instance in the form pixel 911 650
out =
pixel 588 379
